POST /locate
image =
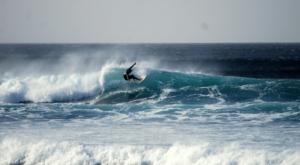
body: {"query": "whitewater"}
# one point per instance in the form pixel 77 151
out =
pixel 199 104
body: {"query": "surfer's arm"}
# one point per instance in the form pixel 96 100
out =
pixel 129 69
pixel 132 65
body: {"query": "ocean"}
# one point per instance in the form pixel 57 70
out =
pixel 223 104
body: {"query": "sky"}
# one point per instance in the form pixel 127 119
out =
pixel 149 21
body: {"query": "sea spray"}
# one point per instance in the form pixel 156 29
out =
pixel 51 88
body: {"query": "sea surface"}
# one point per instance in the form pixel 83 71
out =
pixel 225 104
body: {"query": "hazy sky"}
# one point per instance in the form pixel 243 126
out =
pixel 149 21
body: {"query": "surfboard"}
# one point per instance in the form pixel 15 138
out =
pixel 139 81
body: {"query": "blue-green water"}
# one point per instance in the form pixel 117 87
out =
pixel 199 104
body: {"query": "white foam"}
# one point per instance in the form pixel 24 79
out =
pixel 12 91
pixel 213 92
pixel 110 94
pixel 164 95
pixel 49 152
pixel 48 88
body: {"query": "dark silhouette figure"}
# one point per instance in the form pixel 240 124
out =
pixel 126 75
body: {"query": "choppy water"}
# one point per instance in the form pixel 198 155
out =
pixel 199 104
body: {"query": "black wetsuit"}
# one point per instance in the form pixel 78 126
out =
pixel 126 75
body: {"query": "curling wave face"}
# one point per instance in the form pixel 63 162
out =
pixel 108 87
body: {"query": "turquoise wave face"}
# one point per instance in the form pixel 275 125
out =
pixel 164 87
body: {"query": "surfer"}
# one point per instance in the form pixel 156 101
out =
pixel 127 77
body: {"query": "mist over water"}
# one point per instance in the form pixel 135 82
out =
pixel 243 60
pixel 199 104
